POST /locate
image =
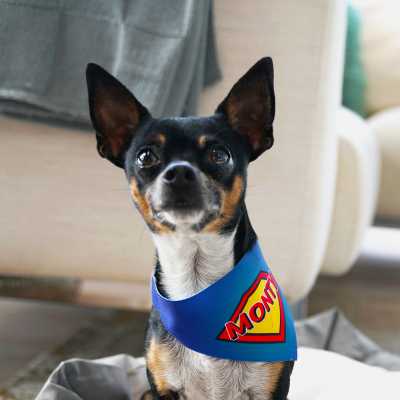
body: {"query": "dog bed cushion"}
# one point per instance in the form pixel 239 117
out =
pixel 323 371
pixel 323 375
pixel 318 375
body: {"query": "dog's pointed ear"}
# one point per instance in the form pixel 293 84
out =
pixel 250 107
pixel 115 113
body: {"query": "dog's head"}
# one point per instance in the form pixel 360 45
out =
pixel 185 172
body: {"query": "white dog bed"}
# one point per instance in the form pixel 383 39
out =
pixel 318 375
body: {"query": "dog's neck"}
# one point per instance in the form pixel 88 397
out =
pixel 190 261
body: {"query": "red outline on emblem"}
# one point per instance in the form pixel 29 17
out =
pixel 256 337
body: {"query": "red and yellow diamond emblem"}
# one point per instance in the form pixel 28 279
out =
pixel 259 316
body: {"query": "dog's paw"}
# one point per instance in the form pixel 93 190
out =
pixel 169 396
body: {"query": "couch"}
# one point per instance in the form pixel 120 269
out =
pixel 65 212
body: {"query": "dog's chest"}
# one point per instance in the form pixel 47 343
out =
pixel 190 264
pixel 199 377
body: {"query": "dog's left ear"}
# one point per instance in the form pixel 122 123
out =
pixel 250 107
pixel 115 113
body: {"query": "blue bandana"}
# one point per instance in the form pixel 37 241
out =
pixel 243 316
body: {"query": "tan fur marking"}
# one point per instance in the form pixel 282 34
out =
pixel 229 203
pixel 160 138
pixel 157 361
pixel 140 201
pixel 274 372
pixel 202 140
pixel 145 209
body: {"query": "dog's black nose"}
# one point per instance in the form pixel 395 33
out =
pixel 181 189
pixel 180 175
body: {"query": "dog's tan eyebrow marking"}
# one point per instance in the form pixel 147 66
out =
pixel 202 140
pixel 160 138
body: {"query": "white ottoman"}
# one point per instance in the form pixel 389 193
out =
pixel 357 184
pixel 386 127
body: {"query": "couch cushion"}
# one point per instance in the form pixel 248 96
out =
pixel 64 210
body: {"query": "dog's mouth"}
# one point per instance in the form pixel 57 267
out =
pixel 179 212
pixel 186 206
pixel 182 211
pixel 183 204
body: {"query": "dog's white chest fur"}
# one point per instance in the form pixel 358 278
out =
pixel 191 262
pixel 199 377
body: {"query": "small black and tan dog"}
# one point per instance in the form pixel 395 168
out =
pixel 187 178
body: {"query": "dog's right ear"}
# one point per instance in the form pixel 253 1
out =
pixel 115 113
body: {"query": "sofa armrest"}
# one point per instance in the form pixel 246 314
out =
pixel 291 188
pixel 385 126
pixel 357 186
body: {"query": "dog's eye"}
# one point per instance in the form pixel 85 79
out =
pixel 146 158
pixel 219 155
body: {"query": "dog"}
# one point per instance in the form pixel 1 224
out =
pixel 187 178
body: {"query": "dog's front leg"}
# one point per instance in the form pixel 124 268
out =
pixel 154 394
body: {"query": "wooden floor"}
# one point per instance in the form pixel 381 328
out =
pixel 369 301
pixel 369 296
pixel 28 328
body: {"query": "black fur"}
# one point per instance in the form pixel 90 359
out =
pixel 282 388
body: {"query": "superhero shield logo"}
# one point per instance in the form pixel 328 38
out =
pixel 259 316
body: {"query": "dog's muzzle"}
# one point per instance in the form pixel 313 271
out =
pixel 181 188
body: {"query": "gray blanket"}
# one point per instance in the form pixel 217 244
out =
pixel 123 377
pixel 332 331
pixel 162 50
